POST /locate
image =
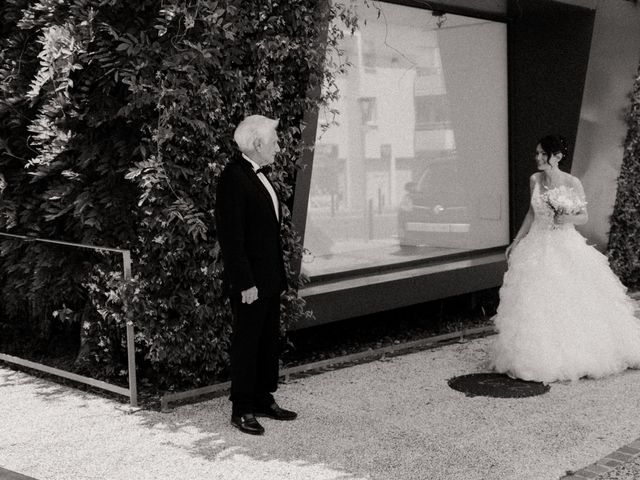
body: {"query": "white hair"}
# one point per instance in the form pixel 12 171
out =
pixel 252 128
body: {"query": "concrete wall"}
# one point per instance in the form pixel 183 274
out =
pixel 613 62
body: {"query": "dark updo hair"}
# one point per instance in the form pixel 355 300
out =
pixel 552 144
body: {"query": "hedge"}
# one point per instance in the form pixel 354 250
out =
pixel 624 237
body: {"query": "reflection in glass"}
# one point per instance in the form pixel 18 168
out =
pixel 417 165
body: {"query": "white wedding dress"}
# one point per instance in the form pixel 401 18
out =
pixel 563 313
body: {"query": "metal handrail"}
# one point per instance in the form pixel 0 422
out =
pixel 132 391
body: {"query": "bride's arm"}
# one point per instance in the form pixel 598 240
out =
pixel 524 229
pixel 526 223
pixel 579 218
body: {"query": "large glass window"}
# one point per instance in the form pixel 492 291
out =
pixel 417 165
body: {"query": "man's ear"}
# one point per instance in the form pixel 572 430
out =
pixel 257 144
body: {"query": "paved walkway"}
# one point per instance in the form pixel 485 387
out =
pixel 390 419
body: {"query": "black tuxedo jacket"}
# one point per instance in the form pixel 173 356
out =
pixel 249 232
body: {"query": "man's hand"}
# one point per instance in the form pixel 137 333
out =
pixel 250 295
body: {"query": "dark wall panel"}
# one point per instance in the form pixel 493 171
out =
pixel 365 295
pixel 548 53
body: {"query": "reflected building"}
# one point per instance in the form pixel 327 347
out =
pixel 399 176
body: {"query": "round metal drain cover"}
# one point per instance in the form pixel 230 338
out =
pixel 496 385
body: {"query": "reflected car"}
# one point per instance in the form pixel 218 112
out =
pixel 435 211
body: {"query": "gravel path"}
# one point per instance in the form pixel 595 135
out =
pixel 391 419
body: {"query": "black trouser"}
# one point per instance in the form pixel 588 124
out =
pixel 254 353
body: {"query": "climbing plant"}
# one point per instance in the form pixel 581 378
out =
pixel 116 119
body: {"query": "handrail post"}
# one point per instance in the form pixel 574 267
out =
pixel 131 348
pixel 132 392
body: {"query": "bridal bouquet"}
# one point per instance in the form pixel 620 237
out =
pixel 563 201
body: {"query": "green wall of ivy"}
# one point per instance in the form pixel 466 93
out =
pixel 116 119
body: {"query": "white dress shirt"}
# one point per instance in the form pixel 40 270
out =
pixel 266 184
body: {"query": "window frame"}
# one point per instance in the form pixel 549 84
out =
pixel 303 178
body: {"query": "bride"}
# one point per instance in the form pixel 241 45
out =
pixel 563 313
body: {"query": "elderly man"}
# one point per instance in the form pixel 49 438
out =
pixel 248 218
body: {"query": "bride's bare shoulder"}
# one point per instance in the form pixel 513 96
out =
pixel 574 184
pixel 533 181
pixel 572 181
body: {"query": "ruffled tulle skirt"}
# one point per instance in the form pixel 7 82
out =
pixel 563 313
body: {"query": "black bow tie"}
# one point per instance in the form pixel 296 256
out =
pixel 264 169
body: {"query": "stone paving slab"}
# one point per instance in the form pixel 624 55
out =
pixel 625 471
pixel 8 475
pixel 621 464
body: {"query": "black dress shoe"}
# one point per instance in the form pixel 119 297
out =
pixel 247 423
pixel 275 412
